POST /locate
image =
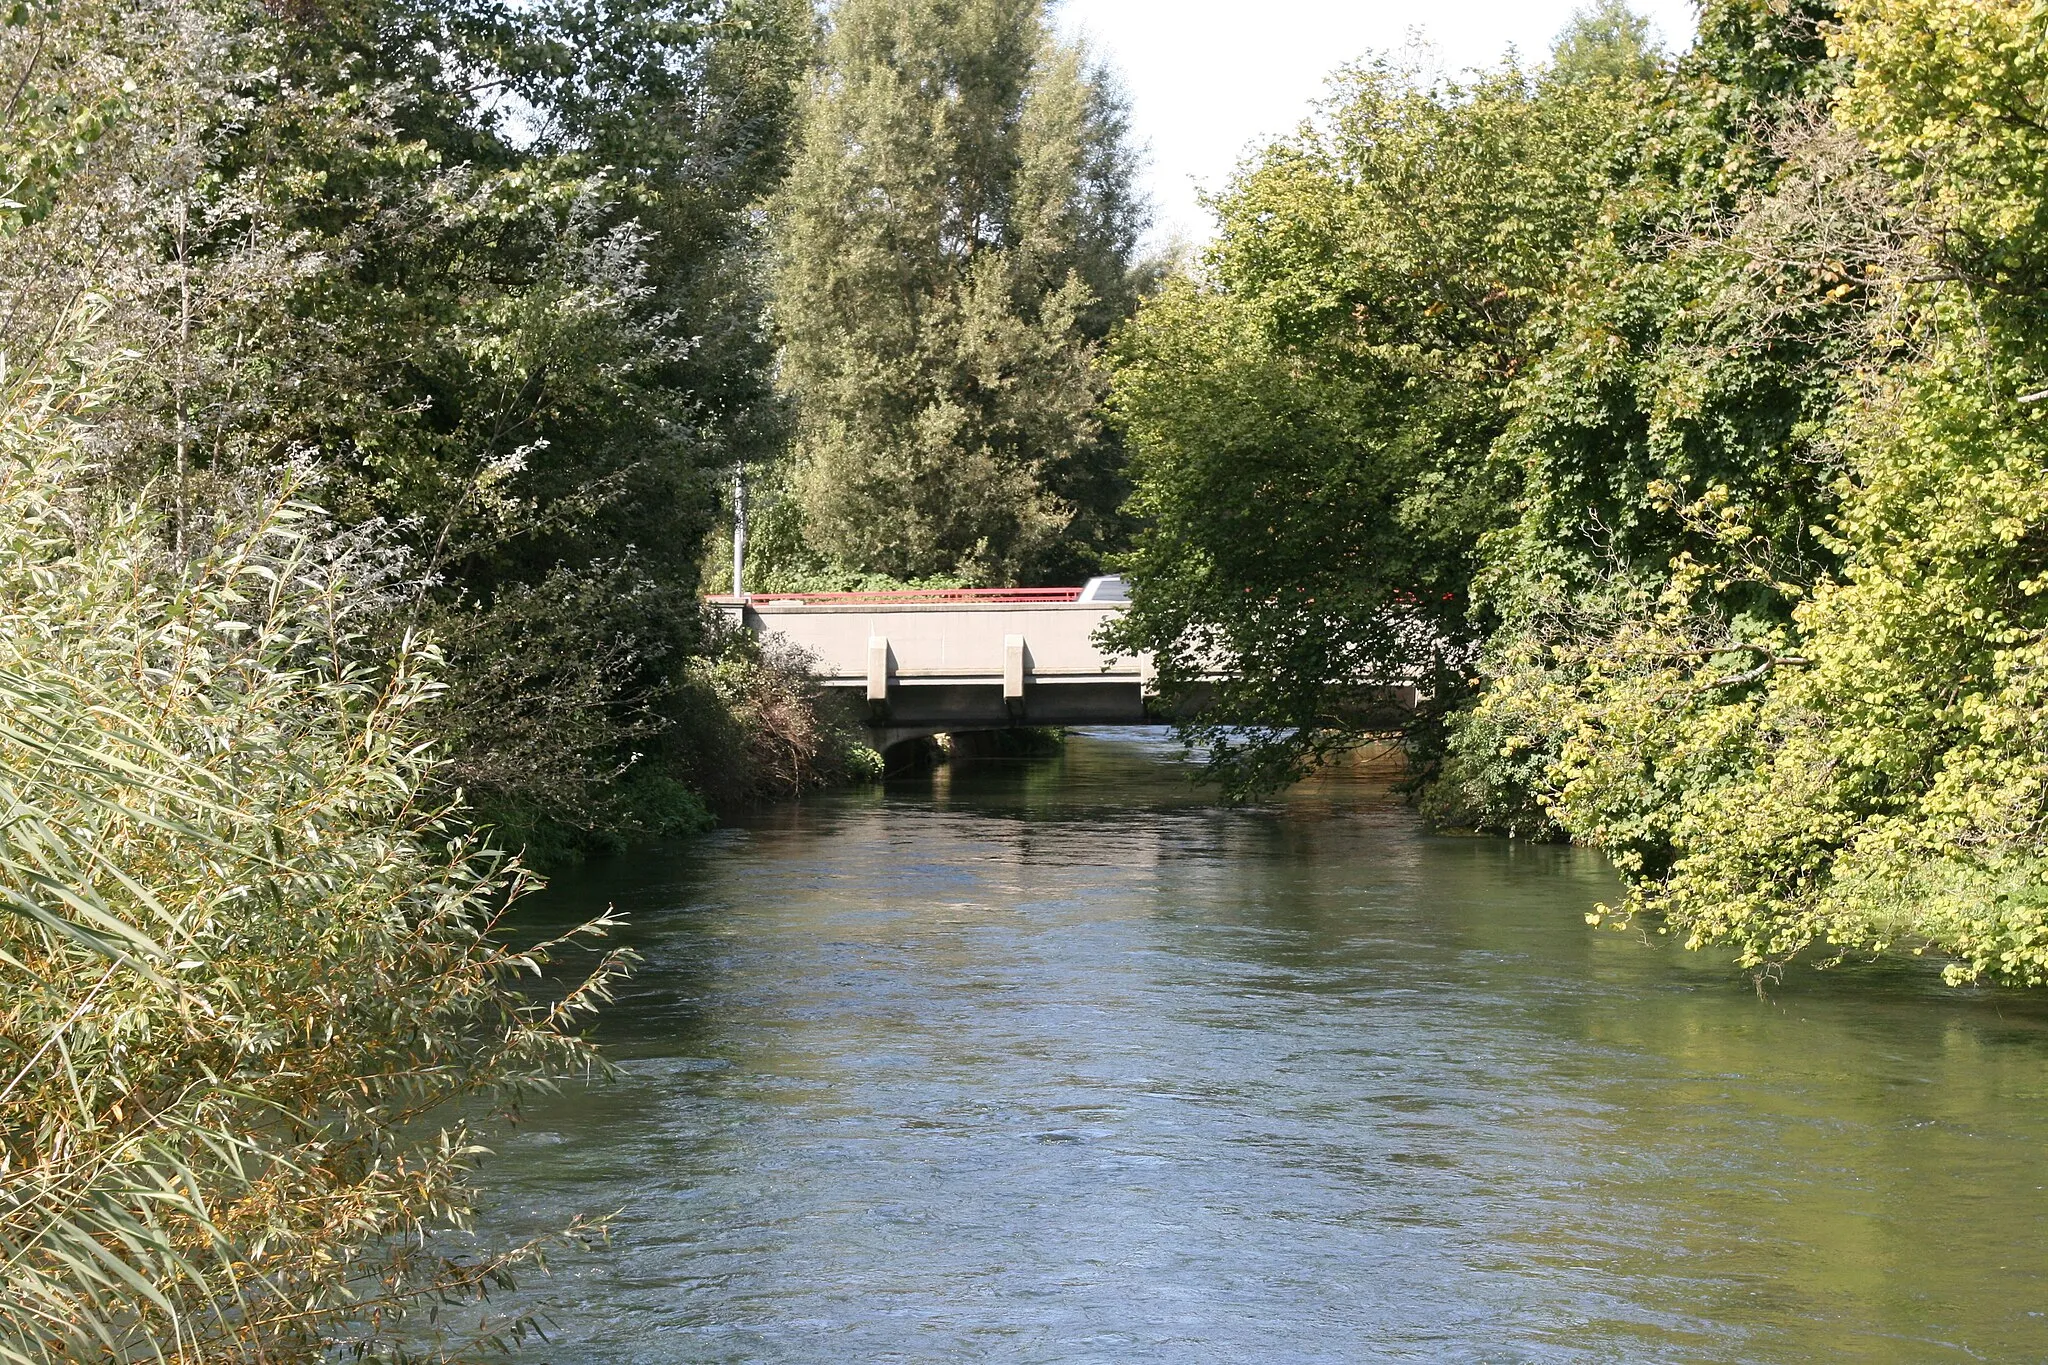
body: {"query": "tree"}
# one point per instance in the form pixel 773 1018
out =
pixel 1692 350
pixel 493 273
pixel 258 997
pixel 1312 415
pixel 1605 41
pixel 1815 729
pixel 953 241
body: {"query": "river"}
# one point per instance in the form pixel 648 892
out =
pixel 1058 1061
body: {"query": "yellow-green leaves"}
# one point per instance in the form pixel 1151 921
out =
pixel 1951 94
pixel 247 963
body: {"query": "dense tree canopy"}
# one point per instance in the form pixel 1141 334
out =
pixel 1710 418
pixel 953 241
pixel 492 273
pixel 1312 414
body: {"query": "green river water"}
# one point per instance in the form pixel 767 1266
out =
pixel 1059 1061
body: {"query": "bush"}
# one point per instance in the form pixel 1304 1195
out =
pixel 1490 780
pixel 785 735
pixel 249 959
pixel 570 721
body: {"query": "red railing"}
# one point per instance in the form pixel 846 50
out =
pixel 924 595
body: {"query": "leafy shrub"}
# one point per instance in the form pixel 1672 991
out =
pixel 786 735
pixel 569 715
pixel 1490 780
pixel 249 959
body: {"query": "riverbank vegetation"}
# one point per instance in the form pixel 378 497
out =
pixel 371 378
pixel 251 954
pixel 1677 423
pixel 485 280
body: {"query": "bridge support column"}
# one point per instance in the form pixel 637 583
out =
pixel 1015 658
pixel 878 668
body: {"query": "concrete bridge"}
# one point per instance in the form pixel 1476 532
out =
pixel 947 661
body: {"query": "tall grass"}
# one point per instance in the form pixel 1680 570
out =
pixel 247 960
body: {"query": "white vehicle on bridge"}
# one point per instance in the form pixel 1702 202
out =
pixel 1110 588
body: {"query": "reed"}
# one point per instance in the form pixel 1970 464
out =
pixel 253 989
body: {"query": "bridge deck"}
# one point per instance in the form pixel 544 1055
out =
pixel 926 666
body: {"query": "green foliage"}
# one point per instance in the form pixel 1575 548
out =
pixel 1748 473
pixel 252 966
pixel 490 272
pixel 1312 417
pixel 787 735
pixel 550 682
pixel 1827 740
pixel 1868 776
pixel 782 556
pixel 1491 774
pixel 1605 41
pixel 565 349
pixel 953 241
pixel 1684 372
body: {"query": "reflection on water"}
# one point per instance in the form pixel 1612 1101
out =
pixel 1056 1061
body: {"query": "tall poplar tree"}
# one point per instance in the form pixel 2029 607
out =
pixel 955 239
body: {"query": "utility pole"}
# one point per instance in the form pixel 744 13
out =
pixel 739 530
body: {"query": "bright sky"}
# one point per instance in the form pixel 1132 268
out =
pixel 1207 78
